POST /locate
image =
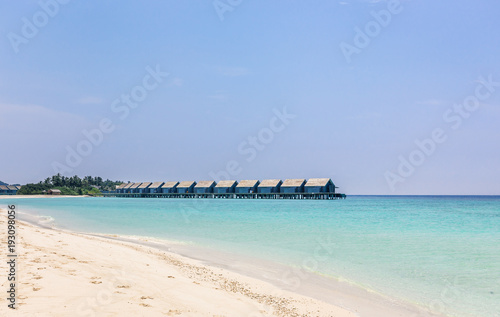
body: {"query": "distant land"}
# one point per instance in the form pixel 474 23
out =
pixel 74 185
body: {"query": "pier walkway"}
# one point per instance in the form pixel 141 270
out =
pixel 322 196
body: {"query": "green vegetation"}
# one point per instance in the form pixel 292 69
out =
pixel 70 185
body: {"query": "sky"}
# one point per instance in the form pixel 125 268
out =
pixel 383 97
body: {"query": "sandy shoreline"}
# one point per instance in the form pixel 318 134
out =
pixel 69 274
pixel 65 273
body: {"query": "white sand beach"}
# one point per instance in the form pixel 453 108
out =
pixel 69 274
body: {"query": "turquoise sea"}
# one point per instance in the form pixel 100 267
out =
pixel 441 252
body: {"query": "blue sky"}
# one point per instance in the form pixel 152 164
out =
pixel 275 72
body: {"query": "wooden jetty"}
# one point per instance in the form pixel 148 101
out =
pixel 314 188
pixel 324 196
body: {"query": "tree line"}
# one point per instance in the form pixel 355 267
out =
pixel 73 185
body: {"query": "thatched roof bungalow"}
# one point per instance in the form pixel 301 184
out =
pixel 293 186
pixel 4 189
pixel 269 186
pixel 226 187
pixel 144 187
pixel 247 186
pixel 169 187
pixel 135 187
pixel 204 187
pixel 126 189
pixel 319 185
pixel 155 187
pixel 186 187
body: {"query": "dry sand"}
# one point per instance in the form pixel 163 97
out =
pixel 69 274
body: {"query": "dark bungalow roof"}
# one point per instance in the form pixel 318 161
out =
pixel 170 184
pixel 293 182
pixel 248 183
pixel 186 184
pixel 318 182
pixel 223 184
pixel 270 183
pixel 205 184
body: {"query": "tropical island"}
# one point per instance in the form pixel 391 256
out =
pixel 73 185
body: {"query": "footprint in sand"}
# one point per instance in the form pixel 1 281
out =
pixel 123 286
pixel 35 289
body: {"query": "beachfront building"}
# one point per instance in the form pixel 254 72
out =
pixel 291 186
pixel 155 188
pixel 269 186
pixel 247 186
pixel 226 187
pixel 53 192
pixel 135 188
pixel 186 187
pixel 319 185
pixel 126 189
pixel 169 187
pixel 144 188
pixel 119 188
pixel 204 187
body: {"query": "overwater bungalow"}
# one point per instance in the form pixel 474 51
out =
pixel 155 187
pixel 135 188
pixel 126 189
pixel 119 188
pixel 291 186
pixel 186 187
pixel 204 187
pixel 247 186
pixel 12 189
pixel 225 187
pixel 4 190
pixel 144 188
pixel 319 185
pixel 169 187
pixel 269 186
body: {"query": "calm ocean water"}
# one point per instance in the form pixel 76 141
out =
pixel 439 252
